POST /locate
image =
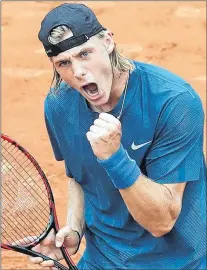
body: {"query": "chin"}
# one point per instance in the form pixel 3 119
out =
pixel 100 102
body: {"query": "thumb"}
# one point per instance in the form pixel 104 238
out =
pixel 60 236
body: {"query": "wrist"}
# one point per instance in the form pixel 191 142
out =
pixel 122 170
pixel 79 241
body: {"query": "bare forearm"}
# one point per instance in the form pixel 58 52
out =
pixel 75 217
pixel 152 205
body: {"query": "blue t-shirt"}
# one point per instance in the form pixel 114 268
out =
pixel 163 114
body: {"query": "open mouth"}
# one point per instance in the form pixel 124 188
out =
pixel 91 89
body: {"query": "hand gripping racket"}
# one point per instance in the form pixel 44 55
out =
pixel 27 203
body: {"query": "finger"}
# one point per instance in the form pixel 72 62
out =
pixel 53 268
pixel 97 130
pixel 92 137
pixel 73 240
pixel 48 263
pixel 109 118
pixel 62 234
pixel 100 123
pixel 103 124
pixel 35 260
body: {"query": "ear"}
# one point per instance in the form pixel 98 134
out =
pixel 109 42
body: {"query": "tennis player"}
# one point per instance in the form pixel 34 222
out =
pixel 131 137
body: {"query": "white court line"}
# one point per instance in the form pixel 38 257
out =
pixel 130 47
pixel 24 72
pixel 200 78
pixel 187 12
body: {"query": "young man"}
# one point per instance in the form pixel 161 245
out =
pixel 131 137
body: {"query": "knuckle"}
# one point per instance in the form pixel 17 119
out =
pixel 97 122
pixel 47 263
pixel 112 127
pixel 102 114
pixel 92 128
pixel 33 260
pixel 59 238
pixel 118 123
pixel 36 260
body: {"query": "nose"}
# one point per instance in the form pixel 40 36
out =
pixel 78 70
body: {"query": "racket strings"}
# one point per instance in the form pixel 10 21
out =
pixel 19 176
pixel 7 235
pixel 9 205
pixel 20 217
pixel 26 187
pixel 28 173
pixel 13 194
pixel 25 204
pixel 10 225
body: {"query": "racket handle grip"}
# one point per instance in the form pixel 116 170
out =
pixel 59 266
pixel 66 256
pixel 45 258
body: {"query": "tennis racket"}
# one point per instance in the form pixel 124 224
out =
pixel 28 208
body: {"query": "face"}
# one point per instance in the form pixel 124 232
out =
pixel 87 68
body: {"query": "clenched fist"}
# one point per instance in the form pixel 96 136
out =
pixel 105 135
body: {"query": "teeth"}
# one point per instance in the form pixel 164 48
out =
pixel 92 93
pixel 91 89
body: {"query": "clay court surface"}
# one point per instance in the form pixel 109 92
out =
pixel 170 34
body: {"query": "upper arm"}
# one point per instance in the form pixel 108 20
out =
pixel 75 217
pixel 74 186
pixel 53 139
pixel 75 193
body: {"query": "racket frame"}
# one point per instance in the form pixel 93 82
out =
pixel 52 224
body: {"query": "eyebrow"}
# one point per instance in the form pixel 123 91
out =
pixel 68 58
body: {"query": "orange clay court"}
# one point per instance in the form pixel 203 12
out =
pixel 169 34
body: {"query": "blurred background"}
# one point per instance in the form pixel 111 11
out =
pixel 170 34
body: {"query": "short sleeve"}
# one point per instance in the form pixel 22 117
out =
pixel 55 146
pixel 176 153
pixel 53 140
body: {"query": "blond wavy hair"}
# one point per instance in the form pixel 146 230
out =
pixel 119 62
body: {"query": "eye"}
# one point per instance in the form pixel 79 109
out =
pixel 64 63
pixel 84 54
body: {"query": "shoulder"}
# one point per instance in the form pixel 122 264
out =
pixel 161 73
pixel 56 96
pixel 160 86
pixel 60 100
pixel 159 80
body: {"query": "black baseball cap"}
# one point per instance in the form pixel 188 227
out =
pixel 79 18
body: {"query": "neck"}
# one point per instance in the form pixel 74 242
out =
pixel 118 86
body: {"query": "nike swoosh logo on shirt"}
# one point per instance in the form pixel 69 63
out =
pixel 135 147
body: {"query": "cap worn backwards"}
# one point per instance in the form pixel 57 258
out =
pixel 80 19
